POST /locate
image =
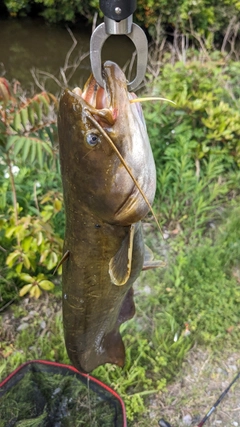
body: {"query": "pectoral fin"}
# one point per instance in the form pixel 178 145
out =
pixel 120 265
pixel 149 262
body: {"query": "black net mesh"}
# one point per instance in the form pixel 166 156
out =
pixel 53 395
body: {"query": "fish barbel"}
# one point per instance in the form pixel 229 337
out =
pixel 99 129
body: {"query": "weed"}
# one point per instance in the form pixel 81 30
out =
pixel 195 298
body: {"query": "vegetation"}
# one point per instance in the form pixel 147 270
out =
pixel 208 19
pixel 30 247
pixel 196 143
pixel 195 298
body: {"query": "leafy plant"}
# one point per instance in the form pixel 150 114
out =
pixel 35 285
pixel 27 134
pixel 209 19
pixel 195 143
pixel 200 284
pixel 207 105
pixel 36 247
pixel 27 125
pixel 195 299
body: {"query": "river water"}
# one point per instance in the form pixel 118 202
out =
pixel 31 43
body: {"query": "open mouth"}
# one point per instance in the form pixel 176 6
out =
pixel 95 95
pixel 111 99
pixel 99 100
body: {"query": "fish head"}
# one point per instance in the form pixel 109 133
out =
pixel 100 132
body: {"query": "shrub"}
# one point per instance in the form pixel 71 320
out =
pixel 206 112
pixel 29 245
pixel 195 143
pixel 207 19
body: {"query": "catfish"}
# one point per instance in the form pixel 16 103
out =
pixel 109 182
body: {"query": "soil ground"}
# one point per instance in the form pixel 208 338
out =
pixel 204 376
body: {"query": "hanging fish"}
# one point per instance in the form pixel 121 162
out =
pixel 109 182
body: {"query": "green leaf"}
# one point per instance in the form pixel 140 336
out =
pixel 10 141
pixel 12 258
pixel 31 115
pixel 40 154
pixel 46 285
pixel 52 261
pixel 19 143
pixel 40 277
pixel 17 125
pixel 19 267
pixel 38 110
pixel 27 278
pixel 24 116
pixel 25 289
pixel 26 262
pixel 26 148
pixel 45 104
pixel 57 204
pixel 26 243
pixel 33 151
pixel 49 132
pixel 35 292
pixel 47 148
pixel 39 238
pixel 44 255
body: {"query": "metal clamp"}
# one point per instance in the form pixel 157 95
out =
pixel 115 27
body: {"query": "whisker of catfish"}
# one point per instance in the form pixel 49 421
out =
pixel 98 126
pixel 150 98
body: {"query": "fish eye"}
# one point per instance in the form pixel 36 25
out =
pixel 92 139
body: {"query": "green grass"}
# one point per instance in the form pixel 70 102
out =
pixel 198 287
pixel 195 299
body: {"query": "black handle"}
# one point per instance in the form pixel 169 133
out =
pixel 118 9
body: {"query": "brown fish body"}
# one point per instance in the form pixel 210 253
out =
pixel 103 212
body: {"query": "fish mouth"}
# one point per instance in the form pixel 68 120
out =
pixel 95 95
pixel 106 100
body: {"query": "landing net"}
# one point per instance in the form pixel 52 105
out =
pixel 48 394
